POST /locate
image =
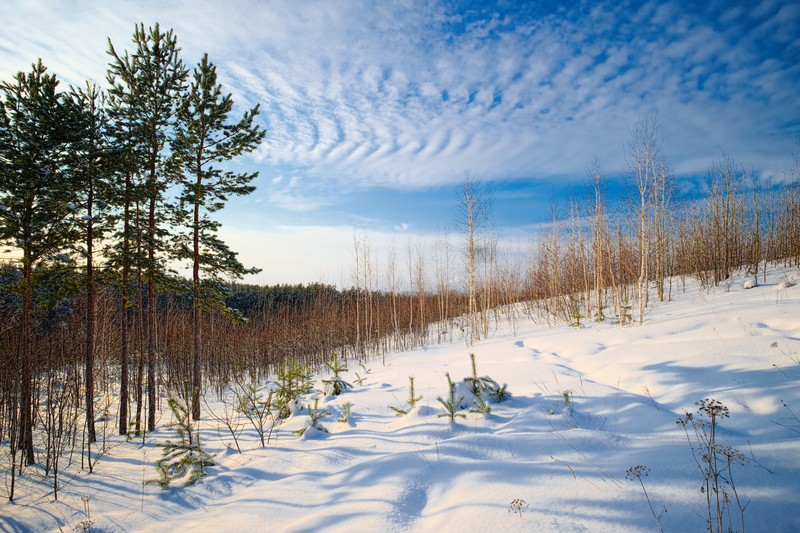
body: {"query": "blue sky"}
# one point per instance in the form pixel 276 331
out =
pixel 375 110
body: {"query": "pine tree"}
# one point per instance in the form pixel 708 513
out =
pixel 124 251
pixel 121 253
pixel 149 83
pixel 205 139
pixel 89 172
pixel 35 200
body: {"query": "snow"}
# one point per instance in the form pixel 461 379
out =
pixel 420 472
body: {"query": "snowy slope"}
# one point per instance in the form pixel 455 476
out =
pixel 419 472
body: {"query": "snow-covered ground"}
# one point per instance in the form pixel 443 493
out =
pixel 533 464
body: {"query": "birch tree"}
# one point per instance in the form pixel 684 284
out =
pixel 599 231
pixel 468 220
pixel 642 157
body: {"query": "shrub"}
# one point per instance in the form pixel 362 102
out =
pixel 258 410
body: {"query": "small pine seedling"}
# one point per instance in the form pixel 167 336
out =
pixel 480 406
pixel 576 319
pixel 566 398
pixel 500 393
pixel 359 378
pixel 336 385
pixel 183 459
pixel 316 415
pixel 412 399
pixel 474 381
pixel 452 403
pixel 346 414
pixel 292 382
pixel 600 313
pixel 485 387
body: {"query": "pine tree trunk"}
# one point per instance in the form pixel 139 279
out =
pixel 151 305
pixel 123 385
pixel 197 310
pixel 123 359
pixel 140 324
pixel 140 331
pixel 26 366
pixel 91 434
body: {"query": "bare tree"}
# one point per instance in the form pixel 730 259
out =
pixel 643 156
pixel 442 278
pixel 756 248
pixel 410 263
pixel 358 246
pixel 725 209
pixel 489 256
pixel 599 232
pixel 469 210
pixel 660 196
pixel 419 279
pixel 391 275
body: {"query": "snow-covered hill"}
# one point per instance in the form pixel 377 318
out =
pixel 586 405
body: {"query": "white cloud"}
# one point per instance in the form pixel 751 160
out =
pixel 410 94
pixel 352 92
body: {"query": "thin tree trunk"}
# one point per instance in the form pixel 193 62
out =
pixel 472 305
pixel 123 380
pixel 197 309
pixel 91 434
pixel 642 284
pixel 140 325
pixel 151 303
pixel 26 367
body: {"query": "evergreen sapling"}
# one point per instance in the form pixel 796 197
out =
pixel 412 399
pixel 336 385
pixel 316 415
pixel 485 388
pixel 183 459
pixel 452 404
